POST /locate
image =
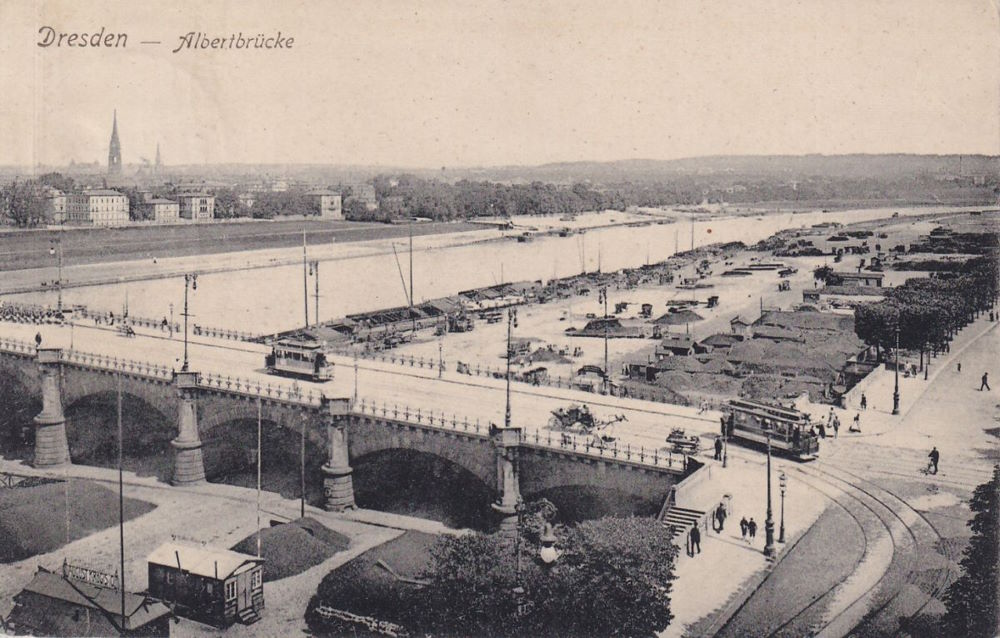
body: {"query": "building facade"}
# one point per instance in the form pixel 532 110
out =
pixel 215 586
pixel 197 206
pixel 328 204
pixel 161 211
pixel 97 208
pixel 55 206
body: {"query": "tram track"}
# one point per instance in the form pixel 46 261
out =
pixel 932 540
pixel 868 520
pixel 909 533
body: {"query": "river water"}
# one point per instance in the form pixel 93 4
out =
pixel 265 300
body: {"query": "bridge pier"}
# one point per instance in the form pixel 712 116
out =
pixel 51 446
pixel 507 442
pixel 189 466
pixel 338 485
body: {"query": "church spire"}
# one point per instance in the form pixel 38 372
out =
pixel 114 149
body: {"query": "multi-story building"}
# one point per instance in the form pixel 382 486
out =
pixel 55 205
pixel 97 208
pixel 328 203
pixel 161 210
pixel 196 206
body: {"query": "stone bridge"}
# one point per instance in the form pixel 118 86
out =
pixel 510 461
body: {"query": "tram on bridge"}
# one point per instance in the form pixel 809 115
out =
pixel 296 358
pixel 755 422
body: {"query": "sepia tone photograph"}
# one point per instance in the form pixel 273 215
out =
pixel 653 318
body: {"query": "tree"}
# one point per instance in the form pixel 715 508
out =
pixel 971 600
pixel 613 578
pixel 822 273
pixel 23 203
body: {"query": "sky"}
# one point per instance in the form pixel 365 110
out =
pixel 430 84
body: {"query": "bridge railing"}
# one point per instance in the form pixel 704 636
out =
pixel 17 346
pixel 247 387
pixel 587 446
pixel 129 366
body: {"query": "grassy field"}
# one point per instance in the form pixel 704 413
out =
pixel 37 520
pixel 30 248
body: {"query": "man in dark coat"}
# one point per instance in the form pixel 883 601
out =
pixel 744 527
pixel 718 448
pixel 695 540
pixel 934 456
pixel 752 528
pixel 986 382
pixel 720 515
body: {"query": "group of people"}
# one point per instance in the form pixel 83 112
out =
pixel 748 529
pixel 28 313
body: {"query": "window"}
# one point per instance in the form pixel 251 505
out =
pixel 230 589
pixel 170 577
pixel 209 588
pixel 255 579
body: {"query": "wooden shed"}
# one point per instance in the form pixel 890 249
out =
pixel 215 586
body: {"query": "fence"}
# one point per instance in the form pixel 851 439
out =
pixel 588 446
pixel 209 381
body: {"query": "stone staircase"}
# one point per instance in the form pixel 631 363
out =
pixel 681 519
pixel 248 616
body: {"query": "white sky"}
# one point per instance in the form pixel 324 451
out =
pixel 433 83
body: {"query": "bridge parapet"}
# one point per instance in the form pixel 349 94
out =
pixel 17 347
pixel 567 444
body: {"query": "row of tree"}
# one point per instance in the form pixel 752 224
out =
pixel 927 312
pixel 613 577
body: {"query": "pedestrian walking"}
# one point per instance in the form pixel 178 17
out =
pixel 959 364
pixel 864 401
pixel 934 456
pixel 38 339
pixel 822 430
pixel 695 540
pixel 856 426
pixel 752 528
pixel 744 527
pixel 836 426
pixel 718 448
pixel 829 417
pixel 720 516
pixel 986 382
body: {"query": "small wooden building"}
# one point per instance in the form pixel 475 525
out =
pixel 83 602
pixel 215 586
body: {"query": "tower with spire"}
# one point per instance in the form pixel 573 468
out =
pixel 114 149
pixel 159 164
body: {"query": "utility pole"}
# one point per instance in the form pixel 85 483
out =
pixel 305 279
pixel 314 270
pixel 511 323
pixel 895 392
pixel 413 317
pixel 121 506
pixel 190 280
pixel 604 298
pixel 769 522
pixel 302 467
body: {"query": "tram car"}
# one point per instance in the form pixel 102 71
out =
pixel 305 359
pixel 790 432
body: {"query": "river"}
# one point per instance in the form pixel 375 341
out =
pixel 264 300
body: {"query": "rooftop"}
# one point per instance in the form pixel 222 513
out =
pixel 139 610
pixel 199 560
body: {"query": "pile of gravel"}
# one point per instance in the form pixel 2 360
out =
pixel 293 547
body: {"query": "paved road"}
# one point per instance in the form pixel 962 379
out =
pixel 903 517
pixel 390 385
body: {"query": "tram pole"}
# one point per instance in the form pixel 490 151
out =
pixel 769 521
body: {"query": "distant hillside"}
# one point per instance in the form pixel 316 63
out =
pixel 751 166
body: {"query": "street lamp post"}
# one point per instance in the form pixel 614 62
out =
pixel 603 297
pixel 171 326
pixel 769 521
pixel 895 392
pixel 783 483
pixel 511 323
pixel 58 252
pixel 190 281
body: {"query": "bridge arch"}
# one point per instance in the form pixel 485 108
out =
pixel 92 433
pixel 19 403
